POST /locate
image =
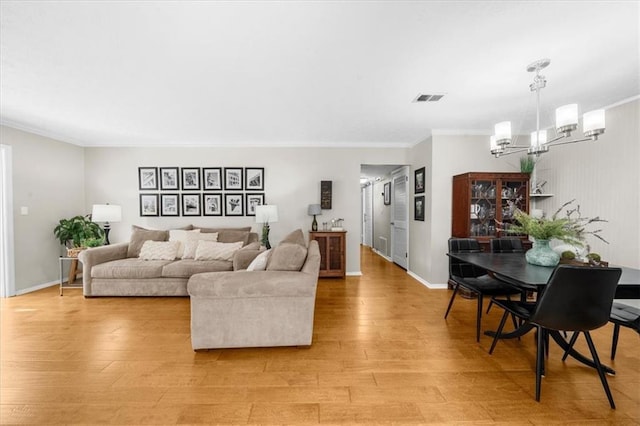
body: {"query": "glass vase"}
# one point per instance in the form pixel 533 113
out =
pixel 541 254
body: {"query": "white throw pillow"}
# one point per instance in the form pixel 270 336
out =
pixel 159 250
pixel 180 235
pixel 191 245
pixel 211 250
pixel 260 262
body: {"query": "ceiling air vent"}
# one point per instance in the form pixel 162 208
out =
pixel 428 98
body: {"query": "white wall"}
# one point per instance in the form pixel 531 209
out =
pixel 292 182
pixel 48 179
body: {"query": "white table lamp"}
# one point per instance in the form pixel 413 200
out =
pixel 106 213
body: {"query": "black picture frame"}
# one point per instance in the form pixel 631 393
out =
pixel 233 204
pixel 233 179
pixel 254 178
pixel 212 178
pixel 325 194
pixel 191 205
pixel 251 201
pixel 170 204
pixel 212 204
pixel 148 204
pixel 190 178
pixel 418 208
pixel 418 181
pixel 147 178
pixel 386 194
pixel 169 179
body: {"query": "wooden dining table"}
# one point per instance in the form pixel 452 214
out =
pixel 514 269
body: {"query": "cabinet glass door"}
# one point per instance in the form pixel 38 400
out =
pixel 513 195
pixel 483 208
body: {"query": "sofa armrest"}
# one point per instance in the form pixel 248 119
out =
pixel 244 257
pixel 97 255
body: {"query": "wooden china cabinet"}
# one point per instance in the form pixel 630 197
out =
pixel 481 201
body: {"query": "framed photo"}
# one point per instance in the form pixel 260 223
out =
pixel 254 178
pixel 190 204
pixel 169 178
pixel 212 178
pixel 212 204
pixel 148 204
pixel 325 194
pixel 191 178
pixel 387 193
pixel 169 204
pixel 233 178
pixel 233 205
pixel 419 181
pixel 418 208
pixel 147 178
pixel 252 201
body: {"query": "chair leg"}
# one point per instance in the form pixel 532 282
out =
pixel 539 361
pixel 479 317
pixel 500 327
pixel 596 361
pixel 453 296
pixel 614 342
pixel 489 307
pixel 572 342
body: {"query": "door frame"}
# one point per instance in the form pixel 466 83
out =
pixel 7 256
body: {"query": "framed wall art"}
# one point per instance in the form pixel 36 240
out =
pixel 418 207
pixel 252 201
pixel 233 178
pixel 325 194
pixel 254 178
pixel 190 204
pixel 147 178
pixel 169 205
pixel 233 205
pixel 212 178
pixel 212 204
pixel 169 179
pixel 386 194
pixel 419 181
pixel 148 204
pixel 190 178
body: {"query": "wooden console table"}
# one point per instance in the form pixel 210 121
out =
pixel 332 246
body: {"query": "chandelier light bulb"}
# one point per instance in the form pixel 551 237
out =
pixel 567 118
pixel 593 122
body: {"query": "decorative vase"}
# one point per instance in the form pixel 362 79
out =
pixel 541 254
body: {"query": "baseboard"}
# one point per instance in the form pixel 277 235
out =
pixel 37 287
pixel 426 283
pixel 354 274
pixel 388 259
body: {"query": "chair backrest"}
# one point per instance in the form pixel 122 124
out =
pixel 463 269
pixel 577 298
pixel 507 245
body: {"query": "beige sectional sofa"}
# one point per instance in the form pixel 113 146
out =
pixel 117 270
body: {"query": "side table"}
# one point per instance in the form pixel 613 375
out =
pixel 73 269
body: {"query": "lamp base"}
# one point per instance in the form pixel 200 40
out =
pixel 107 228
pixel 265 236
pixel 314 224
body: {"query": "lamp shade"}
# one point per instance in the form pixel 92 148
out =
pixel 503 132
pixel 106 213
pixel 266 214
pixel 538 139
pixel 567 116
pixel 593 121
pixel 314 209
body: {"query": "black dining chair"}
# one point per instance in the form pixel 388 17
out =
pixel 473 278
pixel 625 316
pixel 576 298
pixel 507 245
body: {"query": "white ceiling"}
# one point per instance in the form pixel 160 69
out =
pixel 304 73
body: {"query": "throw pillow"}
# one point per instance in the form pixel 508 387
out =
pixel 159 250
pixel 191 245
pixel 139 235
pixel 296 237
pixel 180 235
pixel 260 262
pixel 234 236
pixel 287 257
pixel 211 250
pixel 218 230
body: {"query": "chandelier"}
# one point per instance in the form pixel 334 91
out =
pixel 566 122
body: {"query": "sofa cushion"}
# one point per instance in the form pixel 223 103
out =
pixel 131 268
pixel 140 235
pixel 185 268
pixel 191 245
pixel 296 237
pixel 260 262
pixel 230 235
pixel 287 257
pixel 159 250
pixel 213 250
pixel 180 235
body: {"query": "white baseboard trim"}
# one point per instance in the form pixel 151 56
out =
pixel 426 283
pixel 37 287
pixel 388 259
pixel 354 274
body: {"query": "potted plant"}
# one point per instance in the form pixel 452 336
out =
pixel 570 228
pixel 73 232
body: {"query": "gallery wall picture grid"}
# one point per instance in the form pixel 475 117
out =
pixel 190 178
pixel 169 205
pixel 148 204
pixel 190 204
pixel 418 208
pixel 212 178
pixel 147 178
pixel 419 181
pixel 212 204
pixel 233 178
pixel 254 178
pixel 169 179
pixel 233 205
pixel 252 201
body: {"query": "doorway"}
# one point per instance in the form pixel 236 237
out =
pixel 400 217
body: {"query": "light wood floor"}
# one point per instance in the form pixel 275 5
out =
pixel 382 353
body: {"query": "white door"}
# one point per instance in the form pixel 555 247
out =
pixel 367 216
pixel 400 218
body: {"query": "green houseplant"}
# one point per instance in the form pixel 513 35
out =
pixel 77 230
